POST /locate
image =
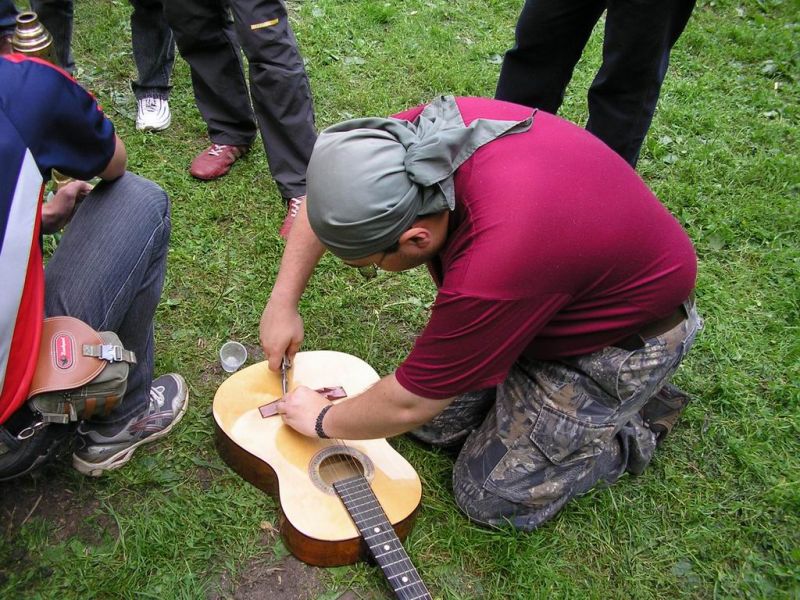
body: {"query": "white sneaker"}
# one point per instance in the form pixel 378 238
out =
pixel 152 114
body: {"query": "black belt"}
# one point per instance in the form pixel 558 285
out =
pixel 656 328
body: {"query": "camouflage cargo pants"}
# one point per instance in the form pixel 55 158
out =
pixel 554 429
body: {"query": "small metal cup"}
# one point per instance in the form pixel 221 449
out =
pixel 232 355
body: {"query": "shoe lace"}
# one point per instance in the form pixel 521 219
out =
pixel 150 104
pixel 217 149
pixel 294 206
pixel 156 398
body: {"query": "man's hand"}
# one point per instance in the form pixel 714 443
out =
pixel 58 212
pixel 300 408
pixel 281 329
pixel 281 332
pixel 383 410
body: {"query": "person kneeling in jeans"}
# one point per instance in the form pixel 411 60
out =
pixel 107 271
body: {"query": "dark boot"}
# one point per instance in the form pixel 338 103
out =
pixel 26 445
pixel 662 411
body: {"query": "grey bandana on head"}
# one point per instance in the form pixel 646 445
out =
pixel 369 179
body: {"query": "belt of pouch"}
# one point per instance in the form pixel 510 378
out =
pixel 80 372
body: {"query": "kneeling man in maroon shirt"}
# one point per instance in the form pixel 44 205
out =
pixel 565 298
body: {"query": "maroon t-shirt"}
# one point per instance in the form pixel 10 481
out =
pixel 556 248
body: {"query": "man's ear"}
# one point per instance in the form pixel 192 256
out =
pixel 418 237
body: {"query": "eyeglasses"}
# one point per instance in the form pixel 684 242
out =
pixel 369 271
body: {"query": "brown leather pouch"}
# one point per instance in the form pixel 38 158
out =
pixel 79 373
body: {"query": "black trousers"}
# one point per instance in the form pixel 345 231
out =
pixel 151 39
pixel 282 102
pixel 638 38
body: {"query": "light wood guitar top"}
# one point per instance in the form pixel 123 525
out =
pixel 302 465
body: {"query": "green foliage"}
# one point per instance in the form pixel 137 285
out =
pixel 716 515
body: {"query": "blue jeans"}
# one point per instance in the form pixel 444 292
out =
pixel 638 38
pixel 8 18
pixel 153 49
pixel 108 271
pixel 57 16
pixel 151 39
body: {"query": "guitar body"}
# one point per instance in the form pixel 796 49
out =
pixel 298 471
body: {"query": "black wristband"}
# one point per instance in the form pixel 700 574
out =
pixel 318 427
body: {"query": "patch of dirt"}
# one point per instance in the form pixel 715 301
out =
pixel 57 497
pixel 283 579
pixel 255 354
pixel 51 495
pixel 54 498
pixel 373 595
pixel 205 477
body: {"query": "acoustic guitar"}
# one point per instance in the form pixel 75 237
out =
pixel 340 500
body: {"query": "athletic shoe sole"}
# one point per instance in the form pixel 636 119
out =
pixel 154 127
pixel 123 456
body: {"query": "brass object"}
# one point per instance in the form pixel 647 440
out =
pixel 31 38
pixel 59 179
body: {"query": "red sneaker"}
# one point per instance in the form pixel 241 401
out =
pixel 293 209
pixel 216 160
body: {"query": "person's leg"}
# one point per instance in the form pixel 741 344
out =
pixel 206 40
pixel 57 17
pixel 108 271
pixel 153 49
pixel 559 428
pixel 8 19
pixel 455 423
pixel 280 90
pixel 154 53
pixel 639 36
pixel 549 39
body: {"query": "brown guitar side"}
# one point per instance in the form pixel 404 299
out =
pixel 320 553
pixel 314 524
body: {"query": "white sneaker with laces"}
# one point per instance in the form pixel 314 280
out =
pixel 152 114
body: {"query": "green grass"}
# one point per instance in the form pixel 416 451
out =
pixel 718 512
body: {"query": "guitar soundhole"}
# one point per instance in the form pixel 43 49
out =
pixel 336 463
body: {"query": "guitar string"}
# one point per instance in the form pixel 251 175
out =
pixel 394 574
pixel 358 468
pixel 355 465
pixel 416 584
pixel 411 570
pixel 388 570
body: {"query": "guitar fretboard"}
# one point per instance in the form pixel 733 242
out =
pixel 383 543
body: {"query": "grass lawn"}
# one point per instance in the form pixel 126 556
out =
pixel 717 514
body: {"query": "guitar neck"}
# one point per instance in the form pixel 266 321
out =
pixel 383 543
